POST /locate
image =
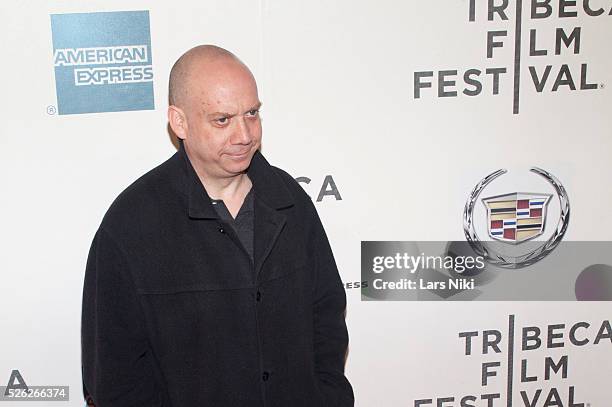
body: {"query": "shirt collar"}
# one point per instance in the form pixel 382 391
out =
pixel 267 182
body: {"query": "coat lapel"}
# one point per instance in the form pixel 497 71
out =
pixel 268 225
pixel 271 196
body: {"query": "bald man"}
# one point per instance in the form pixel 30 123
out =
pixel 210 281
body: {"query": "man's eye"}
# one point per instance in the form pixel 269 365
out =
pixel 253 112
pixel 222 120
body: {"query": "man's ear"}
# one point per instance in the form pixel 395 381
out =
pixel 178 121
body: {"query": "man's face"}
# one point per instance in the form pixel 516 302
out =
pixel 222 112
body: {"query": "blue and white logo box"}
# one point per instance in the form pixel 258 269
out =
pixel 102 61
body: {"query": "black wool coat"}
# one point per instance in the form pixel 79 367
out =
pixel 176 314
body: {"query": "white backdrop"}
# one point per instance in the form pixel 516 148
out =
pixel 337 83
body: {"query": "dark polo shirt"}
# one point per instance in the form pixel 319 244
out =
pixel 243 223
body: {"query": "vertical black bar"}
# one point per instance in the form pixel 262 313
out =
pixel 510 358
pixel 517 56
pixel 472 10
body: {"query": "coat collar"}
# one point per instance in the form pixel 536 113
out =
pixel 268 184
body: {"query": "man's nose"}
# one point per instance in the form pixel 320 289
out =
pixel 242 133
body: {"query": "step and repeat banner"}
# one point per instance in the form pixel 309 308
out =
pixel 458 153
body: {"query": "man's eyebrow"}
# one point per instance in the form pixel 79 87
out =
pixel 222 114
pixel 257 106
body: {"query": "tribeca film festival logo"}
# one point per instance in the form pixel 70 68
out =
pixel 102 62
pixel 328 188
pixel 540 380
pixel 543 77
pixel 516 218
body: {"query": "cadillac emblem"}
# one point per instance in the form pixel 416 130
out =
pixel 515 218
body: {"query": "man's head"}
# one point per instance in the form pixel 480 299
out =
pixel 214 109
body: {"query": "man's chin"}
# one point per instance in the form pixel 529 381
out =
pixel 238 165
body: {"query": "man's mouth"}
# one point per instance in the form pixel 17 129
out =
pixel 239 154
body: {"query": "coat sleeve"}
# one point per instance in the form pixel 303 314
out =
pixel 330 332
pixel 116 361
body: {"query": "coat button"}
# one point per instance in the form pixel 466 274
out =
pixel 221 229
pixel 258 296
pixel 265 376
